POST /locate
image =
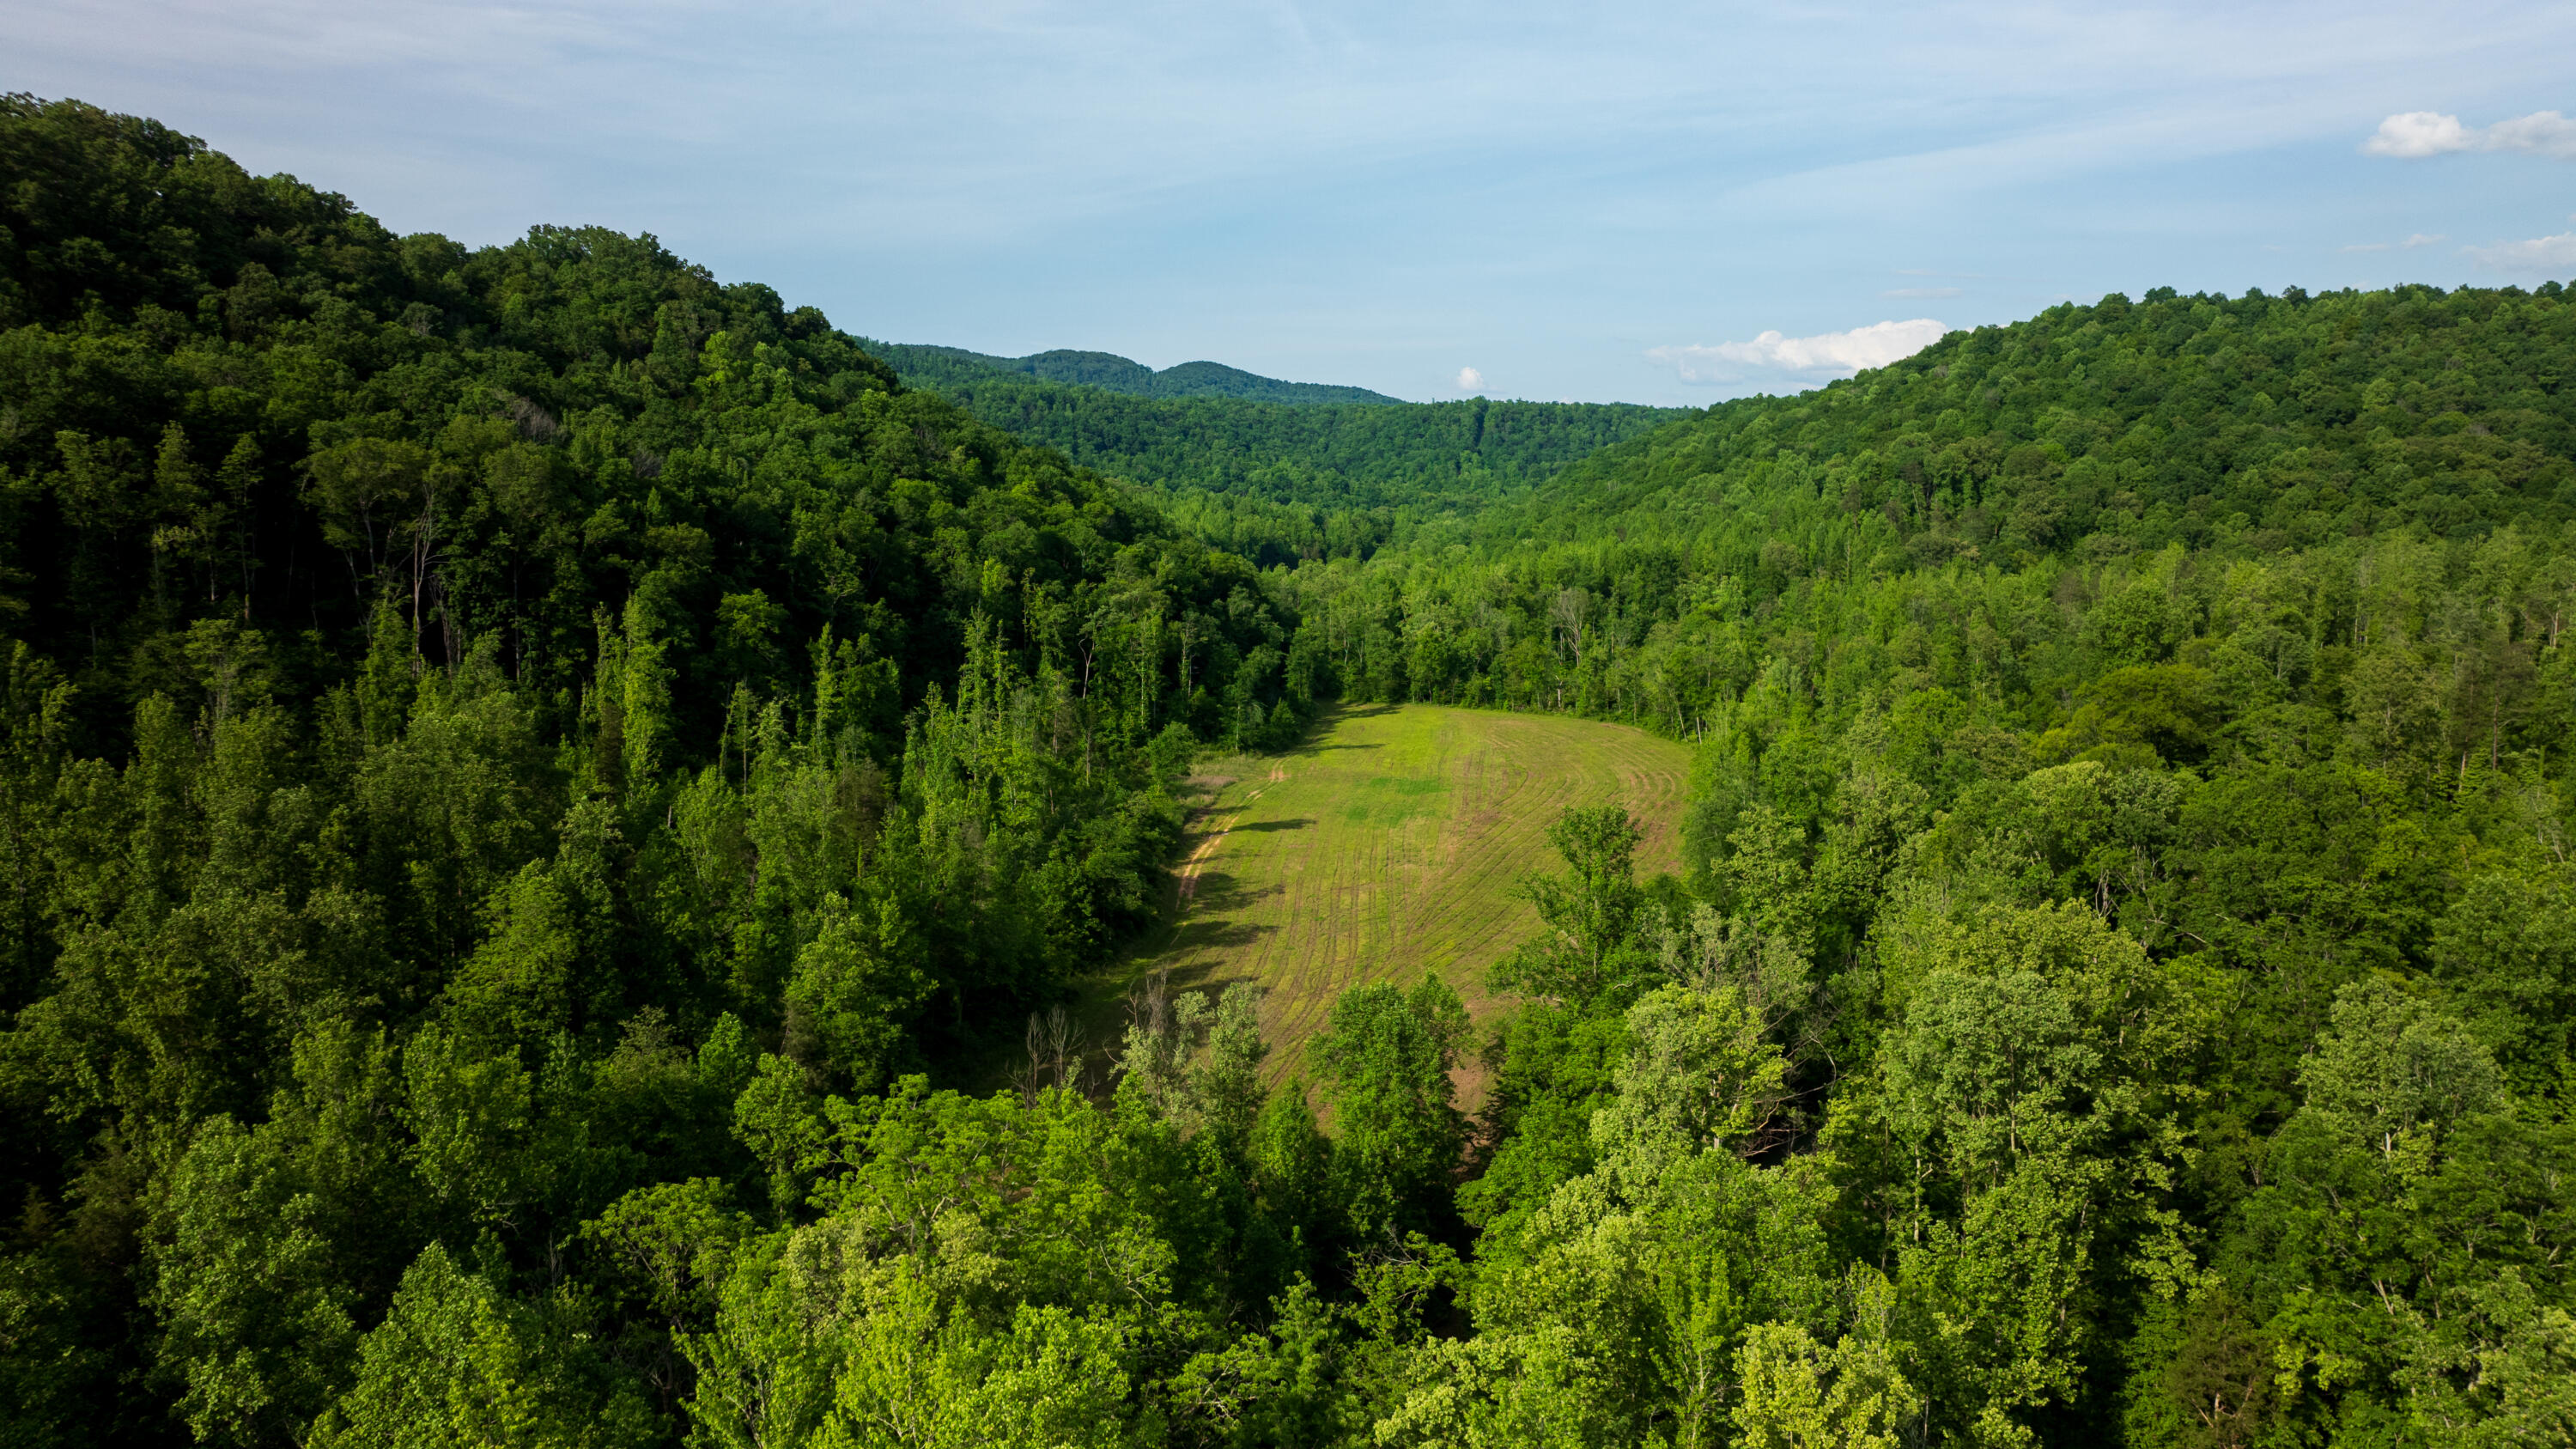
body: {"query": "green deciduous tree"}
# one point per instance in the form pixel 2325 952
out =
pixel 1386 1058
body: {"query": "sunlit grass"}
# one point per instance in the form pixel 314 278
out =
pixel 1386 845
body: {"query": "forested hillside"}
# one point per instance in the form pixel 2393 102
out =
pixel 528 773
pixel 1282 479
pixel 2127 990
pixel 462 709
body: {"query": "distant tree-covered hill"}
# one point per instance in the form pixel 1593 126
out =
pixel 935 367
pixel 1282 480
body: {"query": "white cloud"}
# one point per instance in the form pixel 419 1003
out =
pixel 1470 380
pixel 2540 254
pixel 1920 294
pixel 1828 354
pixel 2546 132
pixel 2422 239
pixel 2419 133
pixel 2413 135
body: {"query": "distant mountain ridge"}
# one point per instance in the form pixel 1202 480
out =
pixel 1298 472
pixel 935 365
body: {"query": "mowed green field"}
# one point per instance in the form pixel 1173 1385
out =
pixel 1389 845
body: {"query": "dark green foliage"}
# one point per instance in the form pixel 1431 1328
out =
pixel 2069 454
pixel 520 769
pixel 490 733
pixel 2088 711
pixel 1386 1058
pixel 937 367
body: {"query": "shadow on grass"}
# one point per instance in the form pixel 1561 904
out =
pixel 1216 936
pixel 1215 891
pixel 1206 976
pixel 1300 823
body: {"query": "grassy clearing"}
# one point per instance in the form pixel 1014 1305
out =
pixel 1388 845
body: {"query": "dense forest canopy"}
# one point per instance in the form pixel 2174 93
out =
pixel 530 776
pixel 2070 453
pixel 1282 479
pixel 544 652
pixel 2131 909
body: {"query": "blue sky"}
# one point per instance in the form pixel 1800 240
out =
pixel 1644 202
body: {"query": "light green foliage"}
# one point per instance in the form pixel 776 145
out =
pixel 981 1270
pixel 274 1240
pixel 1051 1202
pixel 1592 913
pixel 2032 1086
pixel 456 1361
pixel 2399 1255
pixel 764 1359
pixel 1698 1072
pixel 1386 1060
pixel 521 982
pixel 1618 1310
pixel 852 988
pixel 1200 1063
pixel 781 1122
pixel 1556 1058
pixel 1279 1389
pixel 674 1237
pixel 1558 1067
pixel 1291 1163
pixel 2393 1072
pixel 1623 1309
pixel 1798 1394
pixel 2034 1033
pixel 2507 952
pixel 1709 951
pixel 1051 1381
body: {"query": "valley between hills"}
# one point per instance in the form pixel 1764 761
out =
pixel 591 858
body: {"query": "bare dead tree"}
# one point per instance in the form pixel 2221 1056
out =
pixel 1057 1049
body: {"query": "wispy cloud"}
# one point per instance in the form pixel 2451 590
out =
pixel 2419 239
pixel 2412 135
pixel 1920 293
pixel 1825 355
pixel 2540 254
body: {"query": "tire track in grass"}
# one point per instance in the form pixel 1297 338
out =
pixel 1190 868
